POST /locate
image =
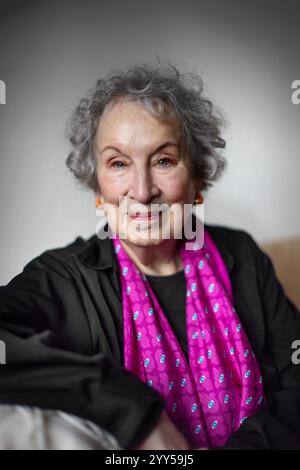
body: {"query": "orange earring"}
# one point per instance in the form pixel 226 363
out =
pixel 98 202
pixel 199 199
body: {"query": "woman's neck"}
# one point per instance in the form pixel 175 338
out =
pixel 157 260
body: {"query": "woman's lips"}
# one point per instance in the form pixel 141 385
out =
pixel 144 217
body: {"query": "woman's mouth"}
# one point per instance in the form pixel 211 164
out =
pixel 147 216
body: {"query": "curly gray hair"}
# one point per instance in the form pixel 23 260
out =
pixel 166 93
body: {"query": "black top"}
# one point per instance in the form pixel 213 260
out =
pixel 170 292
pixel 62 321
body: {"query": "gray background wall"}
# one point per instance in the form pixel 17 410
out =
pixel 51 52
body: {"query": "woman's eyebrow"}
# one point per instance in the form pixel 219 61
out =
pixel 160 147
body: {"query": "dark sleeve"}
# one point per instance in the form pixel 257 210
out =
pixel 45 370
pixel 277 426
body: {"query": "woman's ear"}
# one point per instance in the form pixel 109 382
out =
pixel 98 200
pixel 198 187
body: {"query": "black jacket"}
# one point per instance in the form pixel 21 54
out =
pixel 61 320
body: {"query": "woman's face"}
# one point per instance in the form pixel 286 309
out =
pixel 140 162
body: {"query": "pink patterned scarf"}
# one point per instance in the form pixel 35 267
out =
pixel 220 386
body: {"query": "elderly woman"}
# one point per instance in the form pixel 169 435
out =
pixel 164 340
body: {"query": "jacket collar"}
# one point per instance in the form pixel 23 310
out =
pixel 99 254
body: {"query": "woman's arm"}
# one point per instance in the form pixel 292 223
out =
pixel 278 426
pixel 45 370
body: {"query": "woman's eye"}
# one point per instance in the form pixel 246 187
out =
pixel 118 164
pixel 161 162
pixel 166 161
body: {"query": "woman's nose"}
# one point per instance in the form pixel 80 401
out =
pixel 142 187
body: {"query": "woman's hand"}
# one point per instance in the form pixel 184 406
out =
pixel 165 436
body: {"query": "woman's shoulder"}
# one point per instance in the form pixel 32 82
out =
pixel 227 233
pixel 49 270
pixel 62 255
pixel 230 237
pixel 235 244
